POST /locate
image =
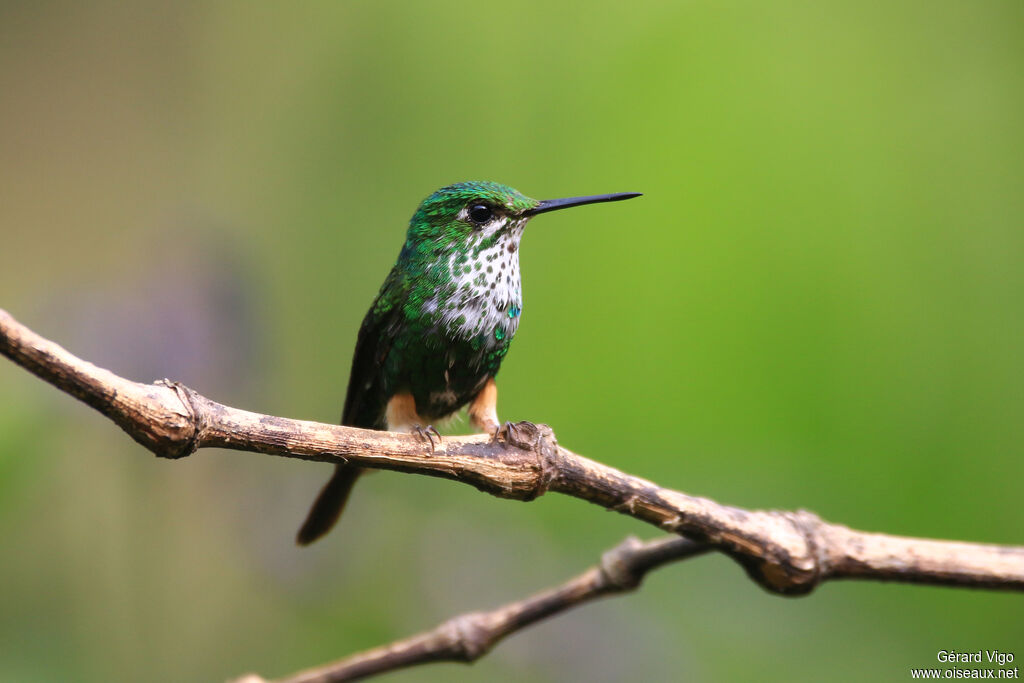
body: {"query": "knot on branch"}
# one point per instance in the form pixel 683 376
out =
pixel 546 448
pixel 538 440
pixel 176 425
pixel 617 565
pixel 793 560
pixel 469 636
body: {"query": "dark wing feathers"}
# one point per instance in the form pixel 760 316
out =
pixel 366 399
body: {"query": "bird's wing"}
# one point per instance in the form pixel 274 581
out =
pixel 366 399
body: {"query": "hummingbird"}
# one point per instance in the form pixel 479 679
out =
pixel 435 336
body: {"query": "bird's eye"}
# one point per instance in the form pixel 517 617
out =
pixel 480 213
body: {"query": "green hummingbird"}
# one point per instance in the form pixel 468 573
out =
pixel 436 334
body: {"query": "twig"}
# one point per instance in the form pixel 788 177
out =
pixel 468 637
pixel 785 552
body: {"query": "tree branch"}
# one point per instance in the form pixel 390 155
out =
pixel 468 637
pixel 785 552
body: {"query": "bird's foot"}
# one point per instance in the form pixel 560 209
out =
pixel 523 435
pixel 428 434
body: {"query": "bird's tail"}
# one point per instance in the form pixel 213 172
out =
pixel 328 505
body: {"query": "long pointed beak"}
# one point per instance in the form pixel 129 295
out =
pixel 555 204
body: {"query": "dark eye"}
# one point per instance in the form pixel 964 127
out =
pixel 480 213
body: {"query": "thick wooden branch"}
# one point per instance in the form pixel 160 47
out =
pixel 468 637
pixel 785 552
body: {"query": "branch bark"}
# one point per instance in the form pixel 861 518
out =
pixel 468 637
pixel 785 552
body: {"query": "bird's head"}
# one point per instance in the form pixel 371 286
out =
pixel 467 213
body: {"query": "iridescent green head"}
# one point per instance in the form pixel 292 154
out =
pixel 463 211
pixel 471 211
pixel 457 275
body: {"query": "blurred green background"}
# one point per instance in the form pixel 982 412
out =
pixel 817 303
